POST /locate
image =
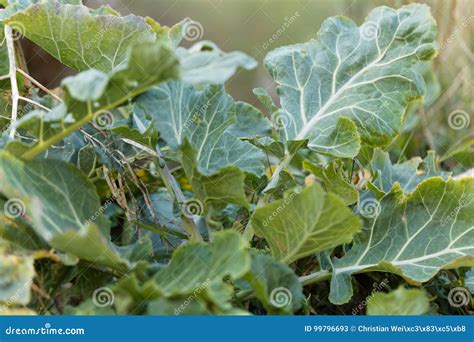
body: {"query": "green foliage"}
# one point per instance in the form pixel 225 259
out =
pixel 142 182
pixel 401 302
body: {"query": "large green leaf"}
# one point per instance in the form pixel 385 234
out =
pixel 80 39
pixel 305 223
pixel 92 93
pixel 408 174
pixel 16 277
pixel 63 208
pixel 401 302
pixel 363 73
pixel 83 39
pixel 413 235
pixel 217 190
pixel 53 194
pixel 196 264
pixel 202 117
pixel 251 123
pixel 206 63
pixel 201 124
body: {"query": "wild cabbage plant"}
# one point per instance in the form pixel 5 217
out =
pixel 141 186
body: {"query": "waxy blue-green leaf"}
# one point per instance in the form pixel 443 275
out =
pixel 401 302
pixel 203 118
pixel 408 174
pixel 200 124
pixel 414 235
pixel 251 124
pixel 64 210
pixel 305 223
pixel 206 63
pixel 83 39
pixel 16 276
pixel 362 73
pixel 53 194
pixel 80 39
pixel 92 93
pixel 199 265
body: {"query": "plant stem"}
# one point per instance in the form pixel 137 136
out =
pixel 174 188
pixel 309 279
pixel 315 277
pixel 172 185
pixel 39 85
pixel 13 81
pixel 34 103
